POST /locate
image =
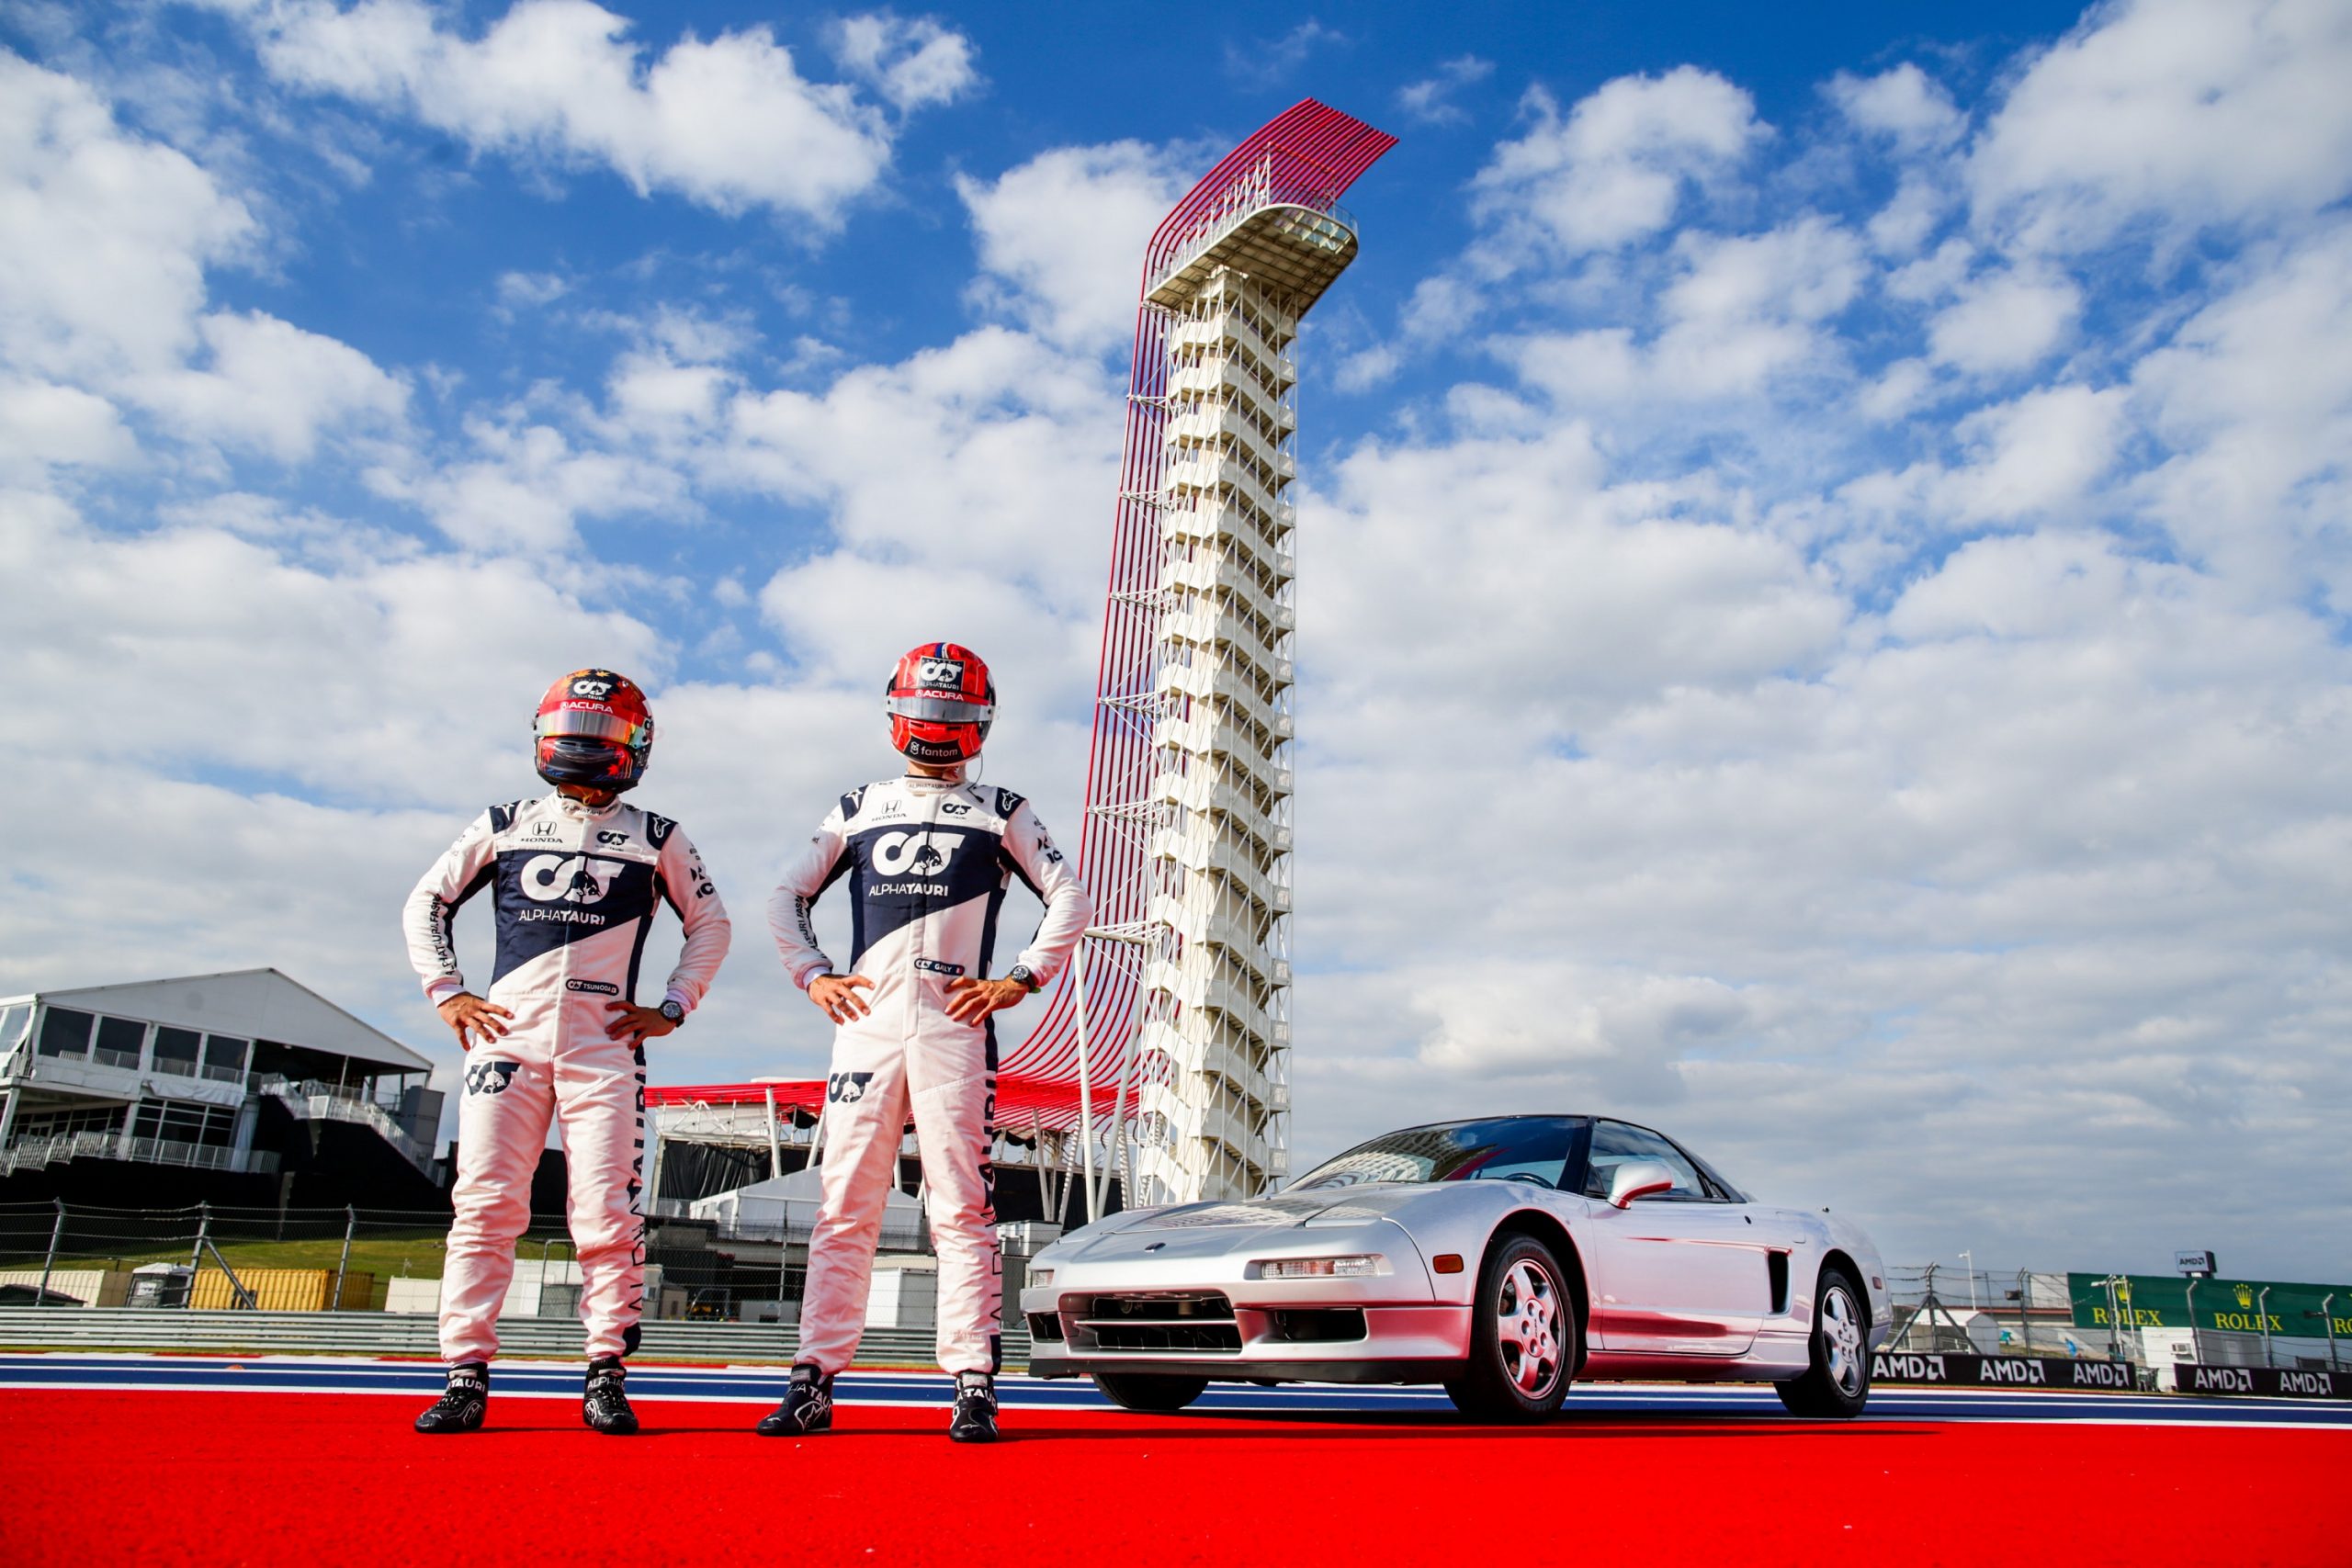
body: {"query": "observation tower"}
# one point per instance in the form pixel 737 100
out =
pixel 1175 1019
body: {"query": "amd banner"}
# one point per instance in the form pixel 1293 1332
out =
pixel 2001 1372
pixel 2196 1377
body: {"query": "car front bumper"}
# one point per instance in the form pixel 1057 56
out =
pixel 1211 1316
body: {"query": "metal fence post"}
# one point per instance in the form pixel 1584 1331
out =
pixel 56 1234
pixel 2262 1311
pixel 196 1252
pixel 2025 1310
pixel 350 1224
pixel 2196 1344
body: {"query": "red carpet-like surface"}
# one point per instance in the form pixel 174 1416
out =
pixel 168 1477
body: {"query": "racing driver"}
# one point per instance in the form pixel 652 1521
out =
pixel 575 878
pixel 929 857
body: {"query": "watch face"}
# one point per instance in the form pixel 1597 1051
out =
pixel 673 1012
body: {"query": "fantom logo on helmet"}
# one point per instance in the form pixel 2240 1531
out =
pixel 594 728
pixel 940 703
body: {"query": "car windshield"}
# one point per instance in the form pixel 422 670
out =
pixel 1526 1148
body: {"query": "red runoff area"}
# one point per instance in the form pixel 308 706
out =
pixel 169 1477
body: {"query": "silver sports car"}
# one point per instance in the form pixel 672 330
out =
pixel 1502 1258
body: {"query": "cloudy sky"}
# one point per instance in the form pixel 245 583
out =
pixel 1825 553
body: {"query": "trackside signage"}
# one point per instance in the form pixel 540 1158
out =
pixel 2229 1306
pixel 1999 1371
pixel 2273 1382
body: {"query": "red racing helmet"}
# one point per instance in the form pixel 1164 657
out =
pixel 594 728
pixel 940 703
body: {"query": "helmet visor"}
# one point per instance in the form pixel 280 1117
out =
pixel 590 725
pixel 937 710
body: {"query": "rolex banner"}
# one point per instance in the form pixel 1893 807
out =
pixel 2231 1306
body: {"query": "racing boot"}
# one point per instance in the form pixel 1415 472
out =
pixel 808 1407
pixel 603 1402
pixel 974 1417
pixel 462 1405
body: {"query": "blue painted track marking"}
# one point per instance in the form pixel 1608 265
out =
pixel 763 1385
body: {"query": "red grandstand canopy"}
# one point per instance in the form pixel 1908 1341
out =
pixel 1022 1102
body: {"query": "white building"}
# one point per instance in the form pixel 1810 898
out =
pixel 173 1073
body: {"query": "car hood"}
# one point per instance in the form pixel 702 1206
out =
pixel 1197 1230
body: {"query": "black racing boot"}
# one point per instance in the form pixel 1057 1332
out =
pixel 974 1417
pixel 604 1402
pixel 462 1405
pixel 808 1407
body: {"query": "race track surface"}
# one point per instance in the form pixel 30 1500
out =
pixel 264 1459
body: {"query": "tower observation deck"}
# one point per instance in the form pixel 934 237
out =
pixel 1176 1019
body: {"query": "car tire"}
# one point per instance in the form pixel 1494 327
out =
pixel 1837 1384
pixel 1523 1336
pixel 1156 1392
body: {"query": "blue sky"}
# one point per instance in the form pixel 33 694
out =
pixel 1824 550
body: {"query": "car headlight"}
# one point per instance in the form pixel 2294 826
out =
pixel 1353 1267
pixel 1040 1277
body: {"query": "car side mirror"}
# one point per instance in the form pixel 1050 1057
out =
pixel 1638 1178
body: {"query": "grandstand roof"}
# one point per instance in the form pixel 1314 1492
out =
pixel 251 1003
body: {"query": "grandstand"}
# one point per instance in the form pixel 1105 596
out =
pixel 243 1087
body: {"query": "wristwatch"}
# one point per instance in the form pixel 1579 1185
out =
pixel 673 1012
pixel 1023 972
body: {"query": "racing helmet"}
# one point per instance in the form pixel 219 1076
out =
pixel 594 728
pixel 940 703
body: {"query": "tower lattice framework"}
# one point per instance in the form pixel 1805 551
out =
pixel 1180 1006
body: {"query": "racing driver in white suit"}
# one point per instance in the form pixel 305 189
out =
pixel 929 857
pixel 575 880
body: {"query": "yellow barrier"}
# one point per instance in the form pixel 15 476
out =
pixel 282 1289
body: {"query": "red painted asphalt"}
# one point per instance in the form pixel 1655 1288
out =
pixel 323 1480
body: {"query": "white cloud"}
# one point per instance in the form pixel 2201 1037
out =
pixel 530 485
pixel 1739 313
pixel 42 424
pixel 1905 105
pixel 2178 111
pixel 1062 236
pixel 104 238
pixel 271 387
pixel 1430 100
pixel 2005 320
pixel 727 122
pixel 1263 62
pixel 912 63
pixel 2038 452
pixel 1614 169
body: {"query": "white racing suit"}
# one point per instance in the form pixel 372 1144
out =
pixel 575 891
pixel 929 863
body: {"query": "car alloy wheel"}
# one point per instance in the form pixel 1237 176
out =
pixel 1841 1340
pixel 1522 1335
pixel 1526 1327
pixel 1836 1383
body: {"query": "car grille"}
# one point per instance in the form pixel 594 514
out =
pixel 1189 1321
pixel 1046 1326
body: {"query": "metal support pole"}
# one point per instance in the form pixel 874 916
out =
pixel 2327 1316
pixel 56 1234
pixel 203 1238
pixel 2025 1310
pixel 776 1148
pixel 1085 1096
pixel 342 1264
pixel 2195 1342
pixel 2262 1311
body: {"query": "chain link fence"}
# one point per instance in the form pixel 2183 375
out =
pixel 73 1255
